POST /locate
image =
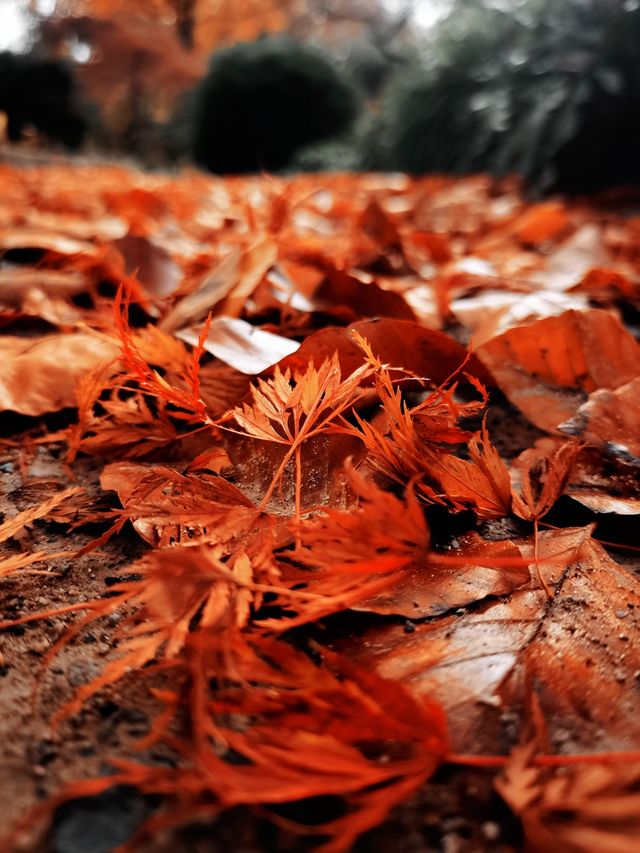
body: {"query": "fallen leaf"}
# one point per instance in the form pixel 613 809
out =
pixel 542 223
pixel 226 289
pixel 604 484
pixel 492 312
pixel 365 298
pixel 578 809
pixel 240 345
pixel 13 525
pixel 610 420
pixel 168 508
pixel 548 368
pixel 424 352
pixel 433 585
pixel 39 375
pixel 539 476
pixel 482 660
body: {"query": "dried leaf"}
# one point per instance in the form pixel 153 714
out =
pixel 40 375
pixel 438 583
pixel 482 482
pixel 542 223
pixel 547 368
pixel 226 288
pixel 241 345
pixel 604 485
pixel 610 420
pixel 14 525
pixel 401 343
pixel 168 508
pixel 293 409
pixel 578 809
pixel 482 660
pixel 540 475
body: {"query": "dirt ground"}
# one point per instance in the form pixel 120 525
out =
pixel 458 811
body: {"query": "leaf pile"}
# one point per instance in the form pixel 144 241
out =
pixel 299 395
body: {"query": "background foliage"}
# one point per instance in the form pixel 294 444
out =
pixel 546 90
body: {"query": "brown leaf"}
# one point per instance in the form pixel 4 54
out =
pixel 539 476
pixel 366 298
pixel 292 416
pixel 17 562
pixel 482 482
pixel 51 241
pixel 401 343
pixel 542 223
pixel 168 508
pixel 610 420
pixel 14 525
pixel 604 485
pixel 549 367
pixel 39 375
pixel 226 289
pixel 473 662
pixel 432 585
pixel 492 312
pixel 578 809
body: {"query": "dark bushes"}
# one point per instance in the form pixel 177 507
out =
pixel 263 101
pixel 40 93
pixel 550 92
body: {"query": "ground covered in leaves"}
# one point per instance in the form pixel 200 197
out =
pixel 319 505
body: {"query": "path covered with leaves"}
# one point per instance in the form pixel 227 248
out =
pixel 334 482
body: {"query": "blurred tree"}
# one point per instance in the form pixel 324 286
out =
pixel 196 23
pixel 137 58
pixel 133 69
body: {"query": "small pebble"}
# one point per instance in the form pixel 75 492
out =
pixel 451 843
pixel 490 830
pixel 39 647
pixel 454 824
pixel 409 627
pixel 81 672
pixel 622 614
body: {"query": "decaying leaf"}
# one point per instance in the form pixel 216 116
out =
pixel 241 345
pixel 539 476
pixel 482 660
pixel 604 485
